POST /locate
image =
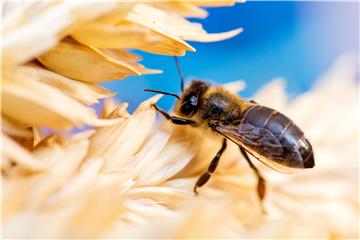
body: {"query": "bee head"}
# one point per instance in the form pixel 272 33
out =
pixel 190 100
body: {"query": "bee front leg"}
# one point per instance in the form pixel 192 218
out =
pixel 175 120
pixel 214 163
pixel 261 185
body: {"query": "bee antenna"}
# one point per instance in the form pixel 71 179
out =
pixel 180 72
pixel 158 91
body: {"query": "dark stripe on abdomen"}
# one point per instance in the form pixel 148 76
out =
pixel 258 116
pixel 277 123
pixel 296 149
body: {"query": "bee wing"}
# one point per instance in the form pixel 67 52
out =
pixel 259 142
pixel 253 138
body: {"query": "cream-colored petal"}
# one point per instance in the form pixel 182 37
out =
pixel 185 9
pixel 198 220
pixel 25 36
pixel 23 101
pixel 119 56
pixel 128 55
pixel 235 86
pixel 112 109
pixel 38 136
pixel 86 93
pixel 161 195
pixel 289 226
pixel 171 160
pixel 138 31
pixel 147 208
pixel 79 183
pixel 173 25
pixel 65 162
pixel 15 129
pixel 86 34
pixel 14 152
pixel 104 207
pixel 82 63
pixel 70 221
pixel 216 3
pixel 165 46
pixel 156 20
pixel 211 37
pixel 148 153
pixel 272 95
pixel 104 32
pixel 118 143
pixel 114 36
pixel 114 16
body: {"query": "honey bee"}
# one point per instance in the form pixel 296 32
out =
pixel 264 133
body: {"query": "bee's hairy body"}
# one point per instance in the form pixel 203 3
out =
pixel 284 146
pixel 214 104
pixel 266 134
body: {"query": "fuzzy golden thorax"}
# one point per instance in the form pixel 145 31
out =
pixel 203 103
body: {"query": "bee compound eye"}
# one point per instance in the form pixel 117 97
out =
pixel 187 108
pixel 190 105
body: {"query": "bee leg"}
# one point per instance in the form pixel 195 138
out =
pixel 252 101
pixel 175 120
pixel 214 163
pixel 261 185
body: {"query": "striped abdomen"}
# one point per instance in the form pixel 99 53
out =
pixel 295 150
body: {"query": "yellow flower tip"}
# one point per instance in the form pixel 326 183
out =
pixel 110 95
pixel 89 64
pixel 12 151
pixel 119 112
pixel 51 140
pixel 111 109
pixel 213 37
pixel 153 71
pixel 15 129
pixel 149 102
pixel 235 86
pixel 191 49
pixel 235 32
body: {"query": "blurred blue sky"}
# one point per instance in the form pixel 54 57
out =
pixel 294 40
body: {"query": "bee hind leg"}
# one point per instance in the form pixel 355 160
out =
pixel 261 184
pixel 211 169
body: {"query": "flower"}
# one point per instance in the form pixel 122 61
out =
pixel 54 55
pixel 133 177
pixel 59 51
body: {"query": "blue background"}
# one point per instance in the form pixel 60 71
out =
pixel 294 40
